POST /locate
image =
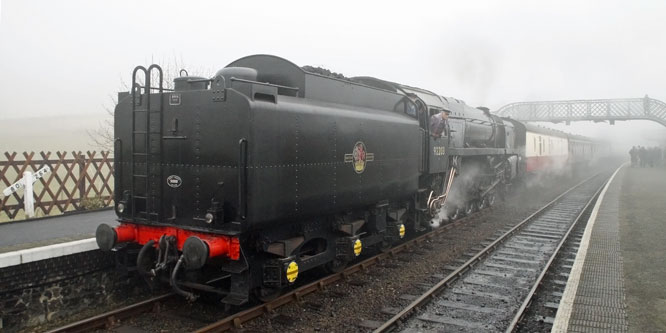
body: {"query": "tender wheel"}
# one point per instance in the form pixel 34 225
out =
pixel 335 266
pixel 385 246
pixel 267 294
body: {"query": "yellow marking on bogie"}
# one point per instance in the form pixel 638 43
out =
pixel 292 272
pixel 358 247
pixel 401 231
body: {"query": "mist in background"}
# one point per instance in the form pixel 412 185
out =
pixel 621 136
pixel 60 61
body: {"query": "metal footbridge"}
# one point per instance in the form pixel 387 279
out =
pixel 597 110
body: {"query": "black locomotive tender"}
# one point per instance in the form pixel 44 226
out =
pixel 237 184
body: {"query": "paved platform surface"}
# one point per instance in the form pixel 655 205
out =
pixel 66 228
pixel 643 240
pixel 620 282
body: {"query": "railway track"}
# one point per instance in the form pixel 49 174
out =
pixel 236 320
pixel 542 310
pixel 111 318
pixel 492 290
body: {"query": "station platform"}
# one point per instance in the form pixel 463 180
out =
pixel 53 230
pixel 618 279
pixel 32 240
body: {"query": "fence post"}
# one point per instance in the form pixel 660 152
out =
pixel 28 199
pixel 82 179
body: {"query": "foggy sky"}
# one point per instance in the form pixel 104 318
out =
pixel 67 57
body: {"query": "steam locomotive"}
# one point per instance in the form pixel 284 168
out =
pixel 238 184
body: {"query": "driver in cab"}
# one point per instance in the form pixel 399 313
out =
pixel 439 124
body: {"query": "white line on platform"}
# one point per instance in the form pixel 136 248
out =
pixel 46 252
pixel 566 303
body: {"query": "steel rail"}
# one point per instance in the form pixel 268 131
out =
pixel 107 319
pixel 455 275
pixel 236 320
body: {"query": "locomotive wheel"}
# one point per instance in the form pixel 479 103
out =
pixel 335 266
pixel 470 207
pixel 490 199
pixel 267 294
pixel 483 202
pixel 456 214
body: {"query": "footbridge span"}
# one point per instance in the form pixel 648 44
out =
pixel 597 110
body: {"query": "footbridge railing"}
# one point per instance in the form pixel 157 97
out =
pixel 595 110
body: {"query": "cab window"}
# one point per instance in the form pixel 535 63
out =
pixel 410 109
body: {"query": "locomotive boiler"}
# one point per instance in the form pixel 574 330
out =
pixel 238 183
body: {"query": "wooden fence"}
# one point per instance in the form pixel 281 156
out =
pixel 77 181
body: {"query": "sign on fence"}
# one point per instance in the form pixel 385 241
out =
pixel 68 180
pixel 26 183
pixel 21 183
